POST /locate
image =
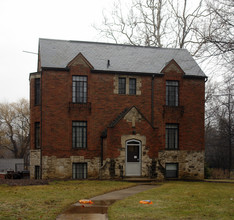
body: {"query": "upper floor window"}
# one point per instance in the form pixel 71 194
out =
pixel 132 86
pixel 122 85
pixel 172 93
pixel 37 135
pixel 172 136
pixel 79 134
pixel 37 91
pixel 79 89
pixel 127 85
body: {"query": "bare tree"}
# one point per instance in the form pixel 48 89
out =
pixel 219 32
pixel 220 125
pixel 14 128
pixel 160 23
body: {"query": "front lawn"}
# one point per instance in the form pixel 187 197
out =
pixel 179 200
pixel 47 201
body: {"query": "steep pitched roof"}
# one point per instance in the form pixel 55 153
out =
pixel 122 58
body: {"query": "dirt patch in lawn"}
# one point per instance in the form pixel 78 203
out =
pixel 23 182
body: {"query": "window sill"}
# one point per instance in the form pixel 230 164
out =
pixel 79 106
pixel 173 110
pixel 79 148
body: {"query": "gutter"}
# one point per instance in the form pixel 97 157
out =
pixel 195 77
pixel 103 135
pixel 126 73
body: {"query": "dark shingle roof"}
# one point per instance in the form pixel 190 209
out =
pixel 123 58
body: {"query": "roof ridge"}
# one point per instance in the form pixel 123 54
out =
pixel 113 44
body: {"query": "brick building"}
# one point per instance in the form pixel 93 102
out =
pixel 105 111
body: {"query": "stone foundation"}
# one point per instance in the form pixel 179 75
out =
pixel 190 163
pixel 53 167
pixel 35 160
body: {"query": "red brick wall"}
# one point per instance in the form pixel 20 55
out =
pixel 57 117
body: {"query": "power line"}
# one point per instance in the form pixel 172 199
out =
pixel 29 52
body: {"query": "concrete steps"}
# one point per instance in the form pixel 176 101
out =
pixel 139 179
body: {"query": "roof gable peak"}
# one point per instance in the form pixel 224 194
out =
pixel 79 60
pixel 172 66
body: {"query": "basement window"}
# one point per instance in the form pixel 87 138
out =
pixel 79 170
pixel 171 170
pixel 37 172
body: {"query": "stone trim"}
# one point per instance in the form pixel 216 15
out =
pixel 145 160
pixel 116 84
pixel 120 161
pixel 35 75
pixel 133 116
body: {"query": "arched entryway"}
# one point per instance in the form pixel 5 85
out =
pixel 133 158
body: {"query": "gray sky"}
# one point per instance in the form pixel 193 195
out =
pixel 23 22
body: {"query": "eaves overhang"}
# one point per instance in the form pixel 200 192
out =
pixel 126 73
pixel 35 75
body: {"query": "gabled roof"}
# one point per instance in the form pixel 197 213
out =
pixel 122 58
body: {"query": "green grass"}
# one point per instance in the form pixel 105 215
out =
pixel 47 201
pixel 179 200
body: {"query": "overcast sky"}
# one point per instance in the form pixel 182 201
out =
pixel 23 22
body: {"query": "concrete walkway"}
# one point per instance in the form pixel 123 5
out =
pixel 98 210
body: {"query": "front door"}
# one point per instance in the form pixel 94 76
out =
pixel 133 158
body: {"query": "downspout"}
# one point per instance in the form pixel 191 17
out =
pixel 41 125
pixel 103 135
pixel 101 156
pixel 152 100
